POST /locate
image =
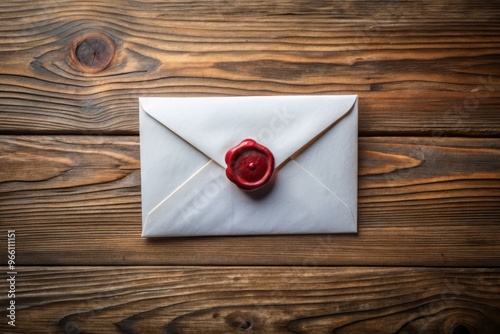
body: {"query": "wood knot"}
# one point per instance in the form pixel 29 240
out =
pixel 92 53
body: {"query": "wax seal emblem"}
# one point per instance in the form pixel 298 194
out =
pixel 250 165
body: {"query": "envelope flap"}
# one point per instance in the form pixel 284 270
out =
pixel 284 124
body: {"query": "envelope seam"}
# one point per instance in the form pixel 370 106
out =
pixel 179 136
pixel 338 198
pixel 175 190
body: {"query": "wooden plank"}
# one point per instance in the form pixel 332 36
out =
pixel 435 65
pixel 259 299
pixel 422 201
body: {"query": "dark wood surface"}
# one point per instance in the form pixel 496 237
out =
pixel 258 300
pixel 422 202
pixel 419 67
pixel 427 255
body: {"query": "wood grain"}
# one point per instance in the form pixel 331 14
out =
pixel 425 71
pixel 257 300
pixel 419 67
pixel 422 202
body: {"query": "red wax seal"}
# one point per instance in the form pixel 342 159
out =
pixel 249 165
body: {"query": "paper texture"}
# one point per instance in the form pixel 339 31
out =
pixel 184 188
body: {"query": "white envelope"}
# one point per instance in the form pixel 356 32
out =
pixel 185 191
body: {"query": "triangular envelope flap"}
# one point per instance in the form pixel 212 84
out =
pixel 284 124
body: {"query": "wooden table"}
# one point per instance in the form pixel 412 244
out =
pixel 427 255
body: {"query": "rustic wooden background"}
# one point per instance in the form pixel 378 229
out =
pixel 427 255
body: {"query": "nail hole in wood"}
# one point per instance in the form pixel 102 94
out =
pixel 245 325
pixel 242 321
pixel 461 329
pixel 92 53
